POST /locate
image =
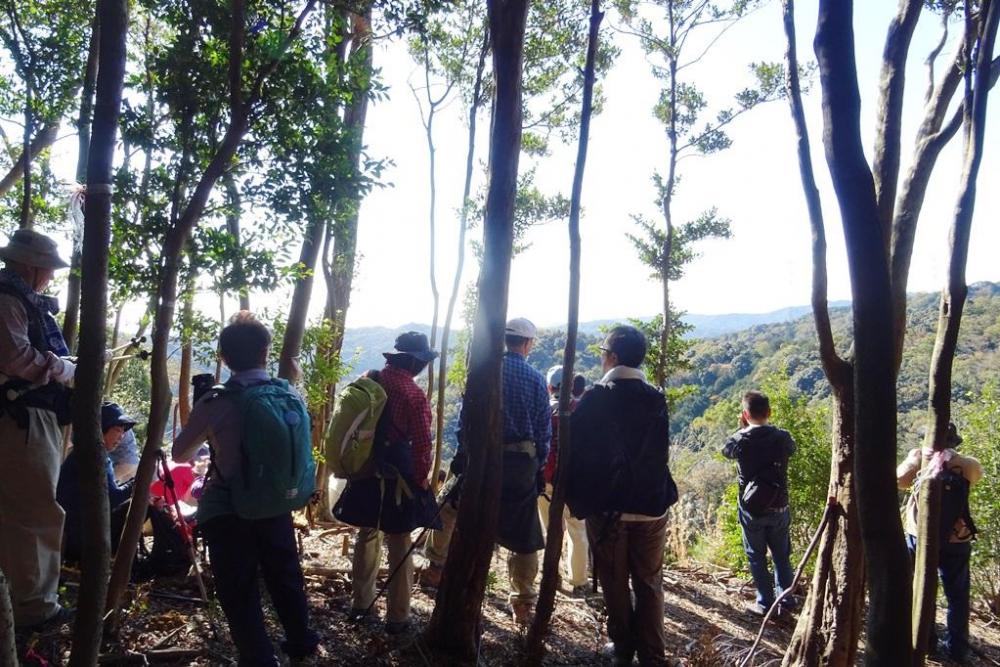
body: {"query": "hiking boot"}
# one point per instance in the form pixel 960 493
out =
pixel 757 609
pixel 522 612
pixel 62 616
pixel 397 627
pixel 580 591
pixel 430 576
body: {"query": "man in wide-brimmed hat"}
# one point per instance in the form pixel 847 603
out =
pixel 395 498
pixel 33 400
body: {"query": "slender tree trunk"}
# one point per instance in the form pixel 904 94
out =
pixel 949 321
pixel 667 204
pixel 233 227
pixel 298 311
pixel 340 277
pixel 88 394
pixel 312 243
pixel 830 625
pixel 455 624
pixel 43 139
pixel 222 325
pixel 432 219
pixel 184 378
pixel 885 169
pixel 554 536
pixel 463 226
pixel 83 131
pixel 886 559
pixel 29 125
pixel 8 644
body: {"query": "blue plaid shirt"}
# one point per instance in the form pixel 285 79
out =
pixel 526 411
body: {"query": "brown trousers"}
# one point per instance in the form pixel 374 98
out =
pixel 31 521
pixel 627 551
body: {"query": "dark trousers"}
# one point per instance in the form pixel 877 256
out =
pixel 953 568
pixel 627 551
pixel 237 549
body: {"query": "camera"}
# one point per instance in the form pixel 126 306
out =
pixel 201 384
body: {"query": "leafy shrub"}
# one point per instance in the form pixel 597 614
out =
pixel 981 433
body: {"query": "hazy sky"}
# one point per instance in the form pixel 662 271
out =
pixel 765 266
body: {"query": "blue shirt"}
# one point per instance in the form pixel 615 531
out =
pixel 526 411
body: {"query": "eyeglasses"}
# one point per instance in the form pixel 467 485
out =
pixel 604 350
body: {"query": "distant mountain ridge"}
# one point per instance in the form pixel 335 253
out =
pixel 363 346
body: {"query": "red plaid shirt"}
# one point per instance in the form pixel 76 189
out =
pixel 409 417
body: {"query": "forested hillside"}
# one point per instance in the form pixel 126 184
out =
pixel 722 368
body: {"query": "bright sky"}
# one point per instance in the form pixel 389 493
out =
pixel 755 183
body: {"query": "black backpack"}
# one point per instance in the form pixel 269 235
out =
pixel 170 554
pixel 605 478
pixel 954 503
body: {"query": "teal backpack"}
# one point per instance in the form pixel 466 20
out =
pixel 277 471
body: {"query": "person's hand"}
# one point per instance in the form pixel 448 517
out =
pixel 64 371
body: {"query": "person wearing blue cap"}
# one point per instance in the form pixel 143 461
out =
pixel 114 424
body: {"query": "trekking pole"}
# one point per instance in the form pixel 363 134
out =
pixel 831 503
pixel 447 498
pixel 168 482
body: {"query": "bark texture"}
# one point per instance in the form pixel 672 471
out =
pixel 554 535
pixel 949 321
pixel 886 559
pixel 830 625
pixel 454 625
pixel 89 383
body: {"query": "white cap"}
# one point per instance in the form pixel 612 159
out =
pixel 554 376
pixel 522 327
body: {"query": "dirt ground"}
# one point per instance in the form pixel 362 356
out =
pixel 705 616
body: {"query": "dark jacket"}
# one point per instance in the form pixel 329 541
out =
pixel 762 452
pixel 68 496
pixel 620 457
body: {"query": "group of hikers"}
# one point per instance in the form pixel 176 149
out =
pixel 257 430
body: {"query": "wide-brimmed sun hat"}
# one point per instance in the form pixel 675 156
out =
pixel 26 246
pixel 414 344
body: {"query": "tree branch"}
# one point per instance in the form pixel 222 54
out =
pixel 890 111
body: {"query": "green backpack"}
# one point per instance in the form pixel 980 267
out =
pixel 350 438
pixel 277 472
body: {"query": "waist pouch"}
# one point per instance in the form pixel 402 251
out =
pixel 53 397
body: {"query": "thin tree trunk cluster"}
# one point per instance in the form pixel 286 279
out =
pixel 455 623
pixel 554 535
pixel 88 394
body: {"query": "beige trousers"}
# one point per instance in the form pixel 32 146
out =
pixel 521 568
pixel 577 545
pixel 364 569
pixel 31 521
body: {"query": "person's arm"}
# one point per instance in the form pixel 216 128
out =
pixel 195 432
pixel 732 448
pixel 116 494
pixel 972 469
pixel 907 471
pixel 790 446
pixel 18 358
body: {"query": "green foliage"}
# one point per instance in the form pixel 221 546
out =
pixel 980 421
pixel 321 369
